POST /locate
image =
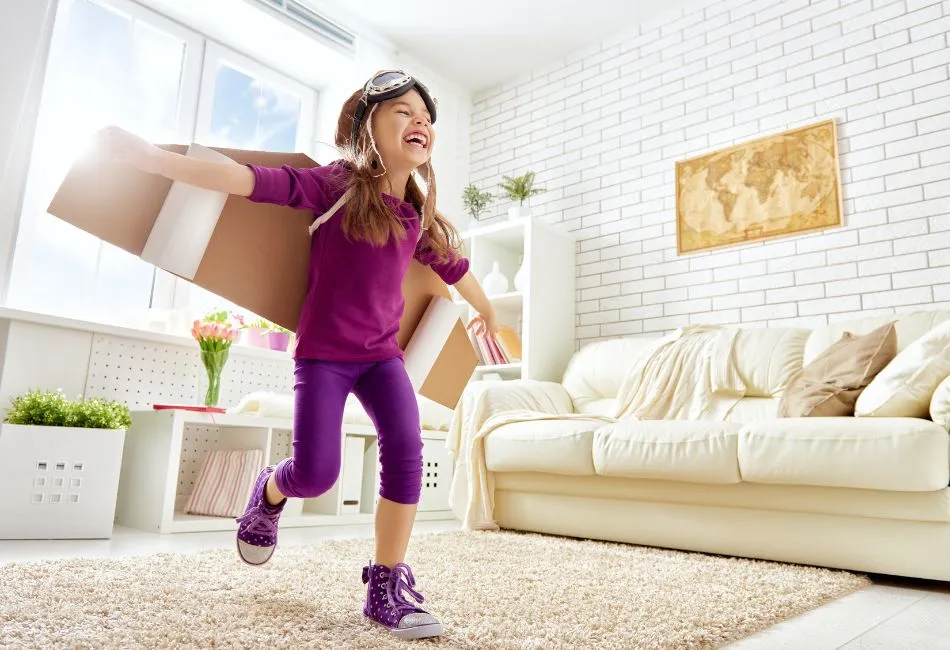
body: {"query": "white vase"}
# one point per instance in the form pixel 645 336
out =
pixel 519 278
pixel 495 283
pixel 519 212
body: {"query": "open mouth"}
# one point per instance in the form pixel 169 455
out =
pixel 418 140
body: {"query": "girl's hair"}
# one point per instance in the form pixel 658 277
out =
pixel 368 217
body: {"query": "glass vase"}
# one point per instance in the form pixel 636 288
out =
pixel 214 361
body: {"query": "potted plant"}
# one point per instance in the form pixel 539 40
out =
pixel 60 461
pixel 255 334
pixel 279 337
pixel 520 189
pixel 475 201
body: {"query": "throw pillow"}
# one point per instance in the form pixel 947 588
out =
pixel 225 482
pixel 831 384
pixel 940 404
pixel 905 387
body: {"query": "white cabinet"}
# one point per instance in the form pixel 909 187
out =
pixel 164 450
pixel 543 313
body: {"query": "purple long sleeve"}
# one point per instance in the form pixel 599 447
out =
pixel 354 296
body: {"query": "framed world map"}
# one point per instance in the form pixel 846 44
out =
pixel 774 186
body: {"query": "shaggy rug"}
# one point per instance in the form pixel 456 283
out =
pixel 491 590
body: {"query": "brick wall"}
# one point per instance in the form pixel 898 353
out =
pixel 604 128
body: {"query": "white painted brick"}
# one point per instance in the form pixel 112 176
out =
pixel 622 329
pixel 826 241
pixel 907 20
pixel 787 310
pixel 936 123
pixel 713 289
pixel 599 267
pixel 936 190
pixel 643 286
pixel 894 264
pixel 877 46
pixel 893 231
pixel 829 305
pixel 931 91
pixel 623 251
pixel 622 302
pixel 826 273
pixel 921 143
pixel 872 18
pixel 897 298
pixel 739 300
pixel 590 331
pixel 888 199
pixel 886 167
pixel 596 293
pixel 627 275
pixel 737 271
pixel 876 250
pixel 702 305
pixel 798 262
pixel 919 79
pixel 763 282
pixel 916 112
pixel 641 313
pixel 795 294
pixel 927 175
pixel 587 258
pixel 664 296
pixel 857 286
pixel 942 292
pixel 587 306
pixel 924 278
pixel 923 243
pixel 600 317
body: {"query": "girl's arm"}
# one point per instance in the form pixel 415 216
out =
pixel 469 288
pixel 125 147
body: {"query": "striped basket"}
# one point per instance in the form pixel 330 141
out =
pixel 225 482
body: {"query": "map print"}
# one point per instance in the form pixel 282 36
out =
pixel 774 186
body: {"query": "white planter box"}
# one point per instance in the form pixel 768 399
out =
pixel 59 482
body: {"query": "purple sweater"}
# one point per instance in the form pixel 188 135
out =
pixel 354 296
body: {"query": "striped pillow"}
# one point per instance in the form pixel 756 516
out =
pixel 225 482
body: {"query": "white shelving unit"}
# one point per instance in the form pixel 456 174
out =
pixel 543 312
pixel 164 450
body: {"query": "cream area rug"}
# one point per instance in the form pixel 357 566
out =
pixel 491 590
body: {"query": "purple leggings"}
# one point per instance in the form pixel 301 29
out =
pixel 320 392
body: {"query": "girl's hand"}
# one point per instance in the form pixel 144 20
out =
pixel 485 322
pixel 124 147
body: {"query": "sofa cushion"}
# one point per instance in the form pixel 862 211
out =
pixel 675 450
pixel 896 454
pixel 940 404
pixel 767 357
pixel 749 409
pixel 554 446
pixel 905 387
pixel 830 385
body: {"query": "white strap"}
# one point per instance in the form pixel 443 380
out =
pixel 329 213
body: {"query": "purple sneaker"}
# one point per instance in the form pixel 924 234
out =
pixel 387 604
pixel 257 527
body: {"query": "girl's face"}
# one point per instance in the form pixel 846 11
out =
pixel 404 136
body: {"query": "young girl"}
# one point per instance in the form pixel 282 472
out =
pixel 346 335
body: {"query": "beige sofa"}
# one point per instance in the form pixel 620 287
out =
pixel 861 493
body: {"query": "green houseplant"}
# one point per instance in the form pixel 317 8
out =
pixel 520 189
pixel 60 461
pixel 476 202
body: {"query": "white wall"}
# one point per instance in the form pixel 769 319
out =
pixel 605 126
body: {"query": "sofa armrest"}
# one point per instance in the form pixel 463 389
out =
pixel 484 399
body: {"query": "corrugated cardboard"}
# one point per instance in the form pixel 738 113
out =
pixel 257 256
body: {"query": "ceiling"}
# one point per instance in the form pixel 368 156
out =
pixel 480 46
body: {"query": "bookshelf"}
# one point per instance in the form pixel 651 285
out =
pixel 542 312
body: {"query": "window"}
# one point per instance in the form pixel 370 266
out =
pixel 117 63
pixel 245 106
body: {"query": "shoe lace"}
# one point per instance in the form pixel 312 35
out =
pixel 259 521
pixel 400 581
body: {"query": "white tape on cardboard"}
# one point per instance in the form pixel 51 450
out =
pixel 429 337
pixel 187 220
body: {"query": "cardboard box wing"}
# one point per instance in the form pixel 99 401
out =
pixel 255 255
